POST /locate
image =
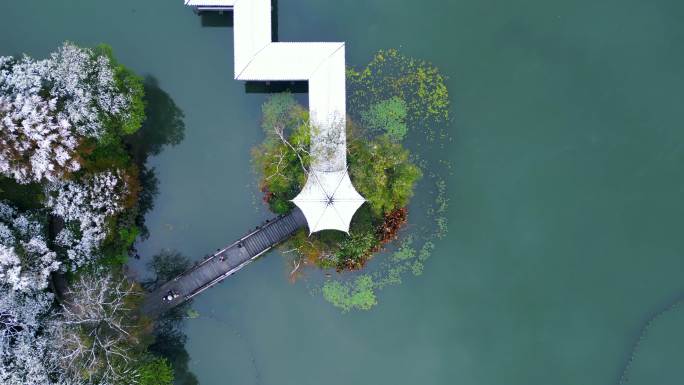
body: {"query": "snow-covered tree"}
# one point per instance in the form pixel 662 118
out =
pixel 85 83
pixel 57 116
pixel 47 107
pixel 25 259
pixel 35 141
pixel 25 342
pixel 85 206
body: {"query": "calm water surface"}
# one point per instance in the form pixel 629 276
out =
pixel 566 210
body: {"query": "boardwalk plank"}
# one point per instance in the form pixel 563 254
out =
pixel 209 272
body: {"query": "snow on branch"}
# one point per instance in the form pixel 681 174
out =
pixel 26 350
pixel 84 207
pixel 47 107
pixel 25 259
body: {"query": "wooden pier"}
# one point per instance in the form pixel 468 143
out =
pixel 223 263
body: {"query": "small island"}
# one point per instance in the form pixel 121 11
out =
pixel 392 96
pixel 394 93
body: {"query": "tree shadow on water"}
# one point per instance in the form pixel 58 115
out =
pixel 271 87
pixel 217 19
pixel 169 335
pixel 225 19
pixel 163 126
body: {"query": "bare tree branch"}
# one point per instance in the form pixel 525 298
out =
pixel 93 330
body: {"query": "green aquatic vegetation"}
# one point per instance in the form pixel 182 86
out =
pixel 441 201
pixel 438 210
pixel 358 294
pixel 405 257
pixel 442 227
pixel 391 74
pixel 426 251
pixel 417 268
pixel 387 116
pixel 391 275
pixel 416 248
pixel 405 251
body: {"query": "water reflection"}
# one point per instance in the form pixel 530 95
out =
pixel 163 126
pixel 295 87
pixel 225 19
pixel 217 19
pixel 169 331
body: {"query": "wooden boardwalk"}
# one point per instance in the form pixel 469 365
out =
pixel 223 263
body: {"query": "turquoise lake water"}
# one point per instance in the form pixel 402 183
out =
pixel 566 209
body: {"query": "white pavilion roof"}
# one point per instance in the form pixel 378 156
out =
pixel 328 201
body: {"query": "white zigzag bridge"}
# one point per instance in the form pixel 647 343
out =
pixel 328 200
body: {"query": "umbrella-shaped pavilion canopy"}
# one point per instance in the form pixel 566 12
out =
pixel 328 200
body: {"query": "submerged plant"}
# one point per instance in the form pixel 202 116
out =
pixel 358 294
